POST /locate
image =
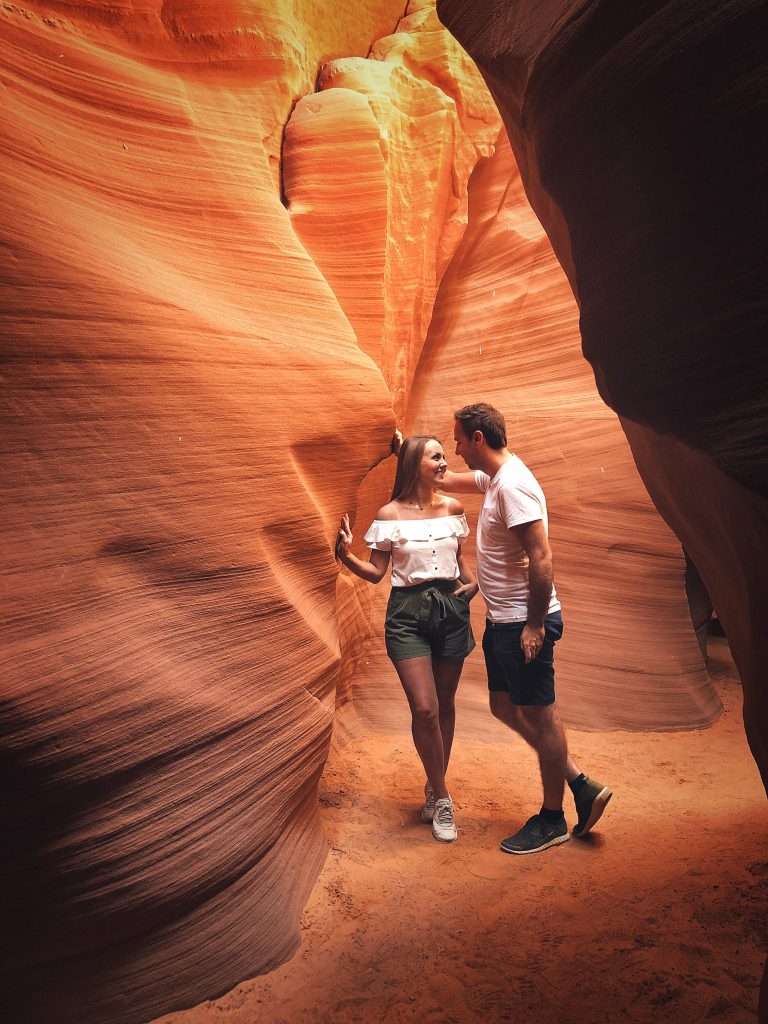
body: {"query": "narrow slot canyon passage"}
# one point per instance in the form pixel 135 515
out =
pixel 657 915
pixel 660 912
pixel 242 242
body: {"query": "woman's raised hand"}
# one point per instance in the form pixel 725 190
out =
pixel 344 538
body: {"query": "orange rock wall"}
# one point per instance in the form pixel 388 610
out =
pixel 634 128
pixel 367 164
pixel 171 645
pixel 375 167
pixel 506 328
pixel 375 171
pixel 209 323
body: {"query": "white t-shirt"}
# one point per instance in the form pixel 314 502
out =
pixel 513 496
pixel 422 549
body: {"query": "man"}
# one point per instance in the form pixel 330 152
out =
pixel 515 574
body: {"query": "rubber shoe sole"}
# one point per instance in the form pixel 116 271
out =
pixel 596 812
pixel 554 841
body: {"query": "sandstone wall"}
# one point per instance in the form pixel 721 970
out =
pixel 375 167
pixel 506 328
pixel 171 646
pixel 634 131
pixel 209 324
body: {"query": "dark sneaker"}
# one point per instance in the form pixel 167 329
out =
pixel 536 834
pixel 590 803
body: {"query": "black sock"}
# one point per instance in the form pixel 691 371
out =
pixel 553 816
pixel 577 783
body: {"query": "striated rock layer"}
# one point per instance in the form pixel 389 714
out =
pixel 368 163
pixel 634 130
pixel 506 329
pixel 205 335
pixel 171 649
pixel 375 169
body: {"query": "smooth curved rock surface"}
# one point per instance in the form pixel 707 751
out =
pixel 171 644
pixel 195 385
pixel 505 315
pixel 634 129
pixel 375 168
pixel 367 197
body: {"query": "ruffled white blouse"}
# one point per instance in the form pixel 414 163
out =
pixel 422 549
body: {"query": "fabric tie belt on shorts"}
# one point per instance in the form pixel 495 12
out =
pixel 427 619
pixel 433 612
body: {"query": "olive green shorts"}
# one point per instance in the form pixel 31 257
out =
pixel 427 620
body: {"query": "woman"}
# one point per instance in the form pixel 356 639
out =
pixel 427 630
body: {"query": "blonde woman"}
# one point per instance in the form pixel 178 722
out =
pixel 427 630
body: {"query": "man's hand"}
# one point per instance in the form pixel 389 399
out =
pixel 468 589
pixel 397 442
pixel 531 641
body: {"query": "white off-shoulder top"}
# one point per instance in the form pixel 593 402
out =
pixel 422 549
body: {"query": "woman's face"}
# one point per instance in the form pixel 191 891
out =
pixel 433 464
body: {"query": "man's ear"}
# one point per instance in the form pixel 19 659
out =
pixel 477 437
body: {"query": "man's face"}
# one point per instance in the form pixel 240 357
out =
pixel 463 445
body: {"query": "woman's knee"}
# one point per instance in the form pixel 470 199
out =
pixel 446 705
pixel 425 715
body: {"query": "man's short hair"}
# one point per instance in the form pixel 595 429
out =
pixel 487 420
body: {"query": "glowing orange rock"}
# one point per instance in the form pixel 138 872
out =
pixel 197 382
pixel 174 452
pixel 611 135
pixel 505 330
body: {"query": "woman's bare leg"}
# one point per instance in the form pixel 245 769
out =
pixel 419 685
pixel 447 675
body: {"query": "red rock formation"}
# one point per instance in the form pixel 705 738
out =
pixel 636 130
pixel 171 649
pixel 506 328
pixel 196 385
pixel 630 126
pixel 366 194
pixel 375 168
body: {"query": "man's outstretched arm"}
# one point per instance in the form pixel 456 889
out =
pixel 458 483
pixel 452 483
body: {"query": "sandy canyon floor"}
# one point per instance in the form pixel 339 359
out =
pixel 660 915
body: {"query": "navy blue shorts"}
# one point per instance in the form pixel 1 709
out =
pixel 527 685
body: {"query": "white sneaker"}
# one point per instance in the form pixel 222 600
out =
pixel 428 810
pixel 443 825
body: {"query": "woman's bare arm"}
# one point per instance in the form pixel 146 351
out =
pixel 372 571
pixel 467 581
